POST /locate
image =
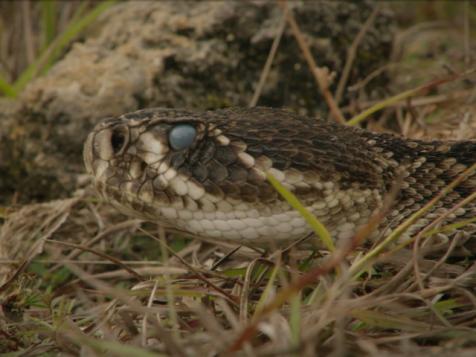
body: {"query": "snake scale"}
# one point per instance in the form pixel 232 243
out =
pixel 203 173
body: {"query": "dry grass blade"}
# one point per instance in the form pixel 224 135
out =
pixel 121 295
pixel 404 95
pixel 245 290
pixel 451 227
pixel 269 62
pixel 134 223
pixel 12 233
pixel 428 231
pixel 100 254
pixel 199 275
pixel 319 74
pixel 424 234
pixel 144 320
pixel 352 52
pixel 268 290
pixel 102 347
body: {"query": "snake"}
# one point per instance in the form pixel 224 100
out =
pixel 204 173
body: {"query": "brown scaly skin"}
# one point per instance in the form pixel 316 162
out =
pixel 340 173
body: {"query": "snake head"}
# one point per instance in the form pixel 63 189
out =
pixel 204 173
pixel 176 168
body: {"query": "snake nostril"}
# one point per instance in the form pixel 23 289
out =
pixel 119 138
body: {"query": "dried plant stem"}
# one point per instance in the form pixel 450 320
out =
pixel 320 74
pixel 352 52
pixel 269 62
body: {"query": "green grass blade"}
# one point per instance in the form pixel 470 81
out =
pixel 47 58
pixel 48 19
pixel 6 88
pixel 265 296
pixel 381 105
pixel 388 321
pixel 295 319
pixel 317 226
pixel 75 28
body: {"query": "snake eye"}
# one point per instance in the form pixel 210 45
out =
pixel 182 136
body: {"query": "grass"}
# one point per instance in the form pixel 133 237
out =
pixel 405 95
pixel 84 288
pixel 273 301
pixel 318 228
pixel 53 42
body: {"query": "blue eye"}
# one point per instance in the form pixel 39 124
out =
pixel 182 136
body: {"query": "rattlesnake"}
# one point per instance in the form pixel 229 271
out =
pixel 204 173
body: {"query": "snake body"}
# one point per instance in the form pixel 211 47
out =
pixel 216 187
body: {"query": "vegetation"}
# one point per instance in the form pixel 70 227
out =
pixel 97 283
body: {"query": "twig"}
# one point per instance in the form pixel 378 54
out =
pixel 320 74
pixel 269 62
pixel 351 53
